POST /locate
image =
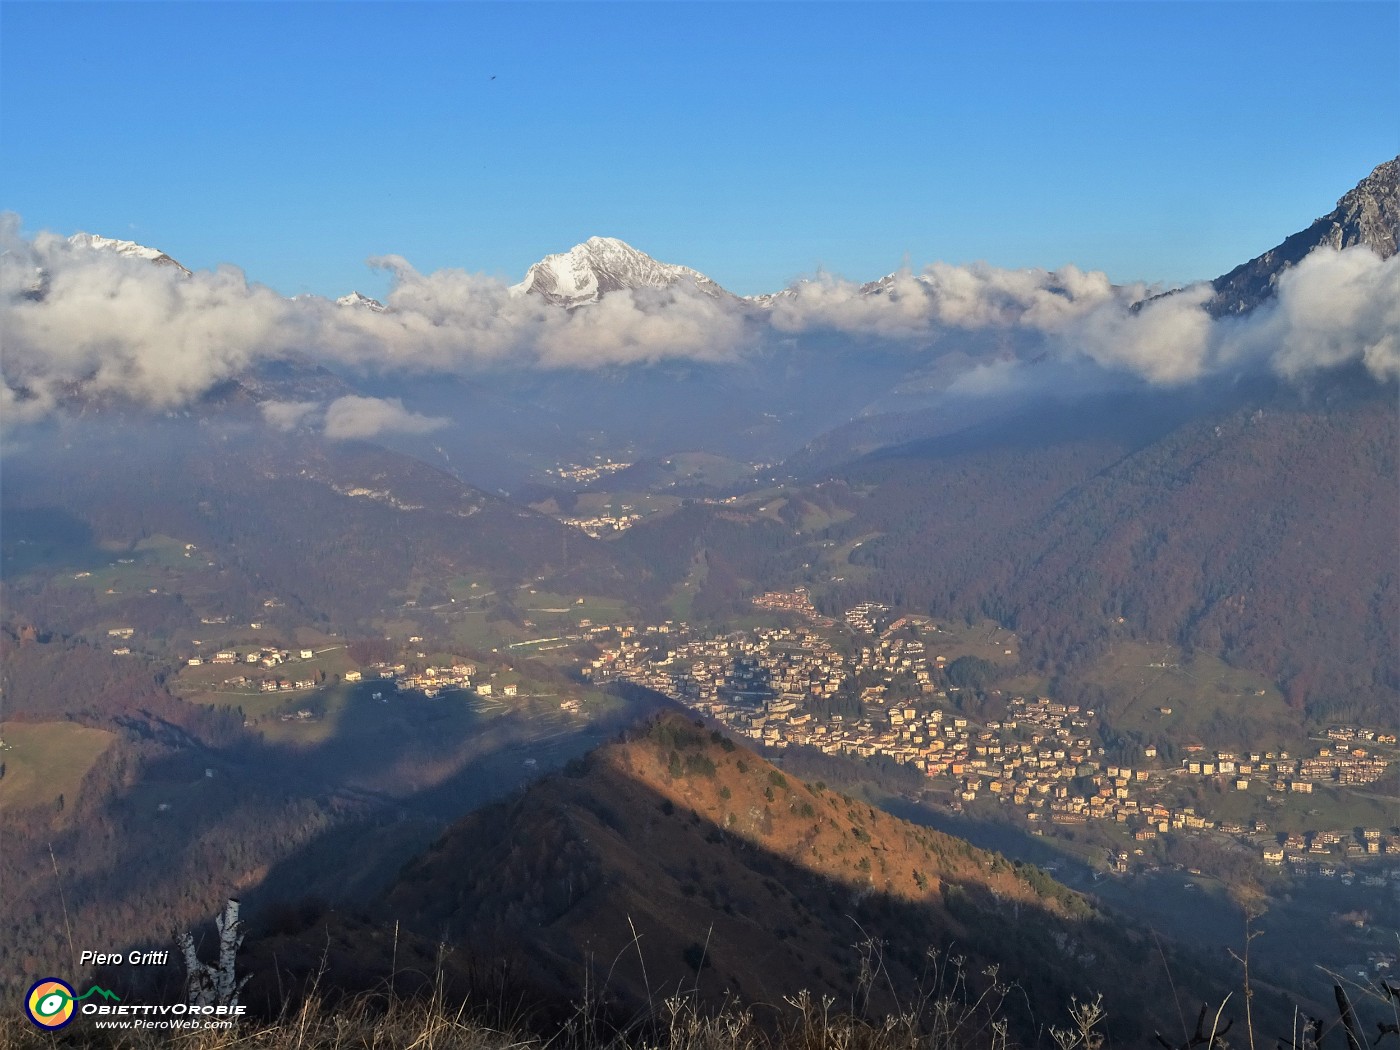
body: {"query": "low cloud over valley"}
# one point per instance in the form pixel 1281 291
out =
pixel 85 323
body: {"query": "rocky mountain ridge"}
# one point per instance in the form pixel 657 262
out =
pixel 1368 214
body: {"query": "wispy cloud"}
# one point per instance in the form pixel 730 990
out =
pixel 289 415
pixel 366 417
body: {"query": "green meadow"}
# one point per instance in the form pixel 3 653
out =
pixel 43 760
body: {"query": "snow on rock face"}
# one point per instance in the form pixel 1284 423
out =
pixel 769 299
pixel 364 302
pixel 600 265
pixel 130 249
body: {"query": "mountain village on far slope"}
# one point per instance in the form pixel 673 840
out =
pixel 1039 758
pixel 780 687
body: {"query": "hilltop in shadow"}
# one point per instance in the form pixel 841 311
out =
pixel 672 862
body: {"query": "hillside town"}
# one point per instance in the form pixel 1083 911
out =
pixel 586 473
pixel 778 687
pixel 599 524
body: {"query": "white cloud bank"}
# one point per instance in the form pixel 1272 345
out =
pixel 1333 308
pixel 82 322
pixel 79 321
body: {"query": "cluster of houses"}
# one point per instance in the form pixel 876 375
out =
pixel 601 523
pixel 265 658
pixel 864 618
pixel 1352 759
pixel 271 685
pixel 1316 851
pixel 1280 771
pixel 432 682
pixel 797 602
pixel 584 474
pixel 1040 756
pixel 748 669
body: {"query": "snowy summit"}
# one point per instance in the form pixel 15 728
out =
pixel 599 265
pixel 130 249
pixel 364 302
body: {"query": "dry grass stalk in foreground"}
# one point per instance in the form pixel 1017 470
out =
pixel 372 1023
pixel 363 1025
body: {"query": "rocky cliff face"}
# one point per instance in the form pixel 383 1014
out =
pixel 1368 215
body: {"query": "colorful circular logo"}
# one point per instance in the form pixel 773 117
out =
pixel 49 1003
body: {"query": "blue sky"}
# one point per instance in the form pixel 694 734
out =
pixel 755 142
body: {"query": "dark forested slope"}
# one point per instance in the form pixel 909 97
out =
pixel 1265 531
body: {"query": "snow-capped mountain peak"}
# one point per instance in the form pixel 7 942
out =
pixel 588 271
pixel 768 300
pixel 129 249
pixel 364 302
